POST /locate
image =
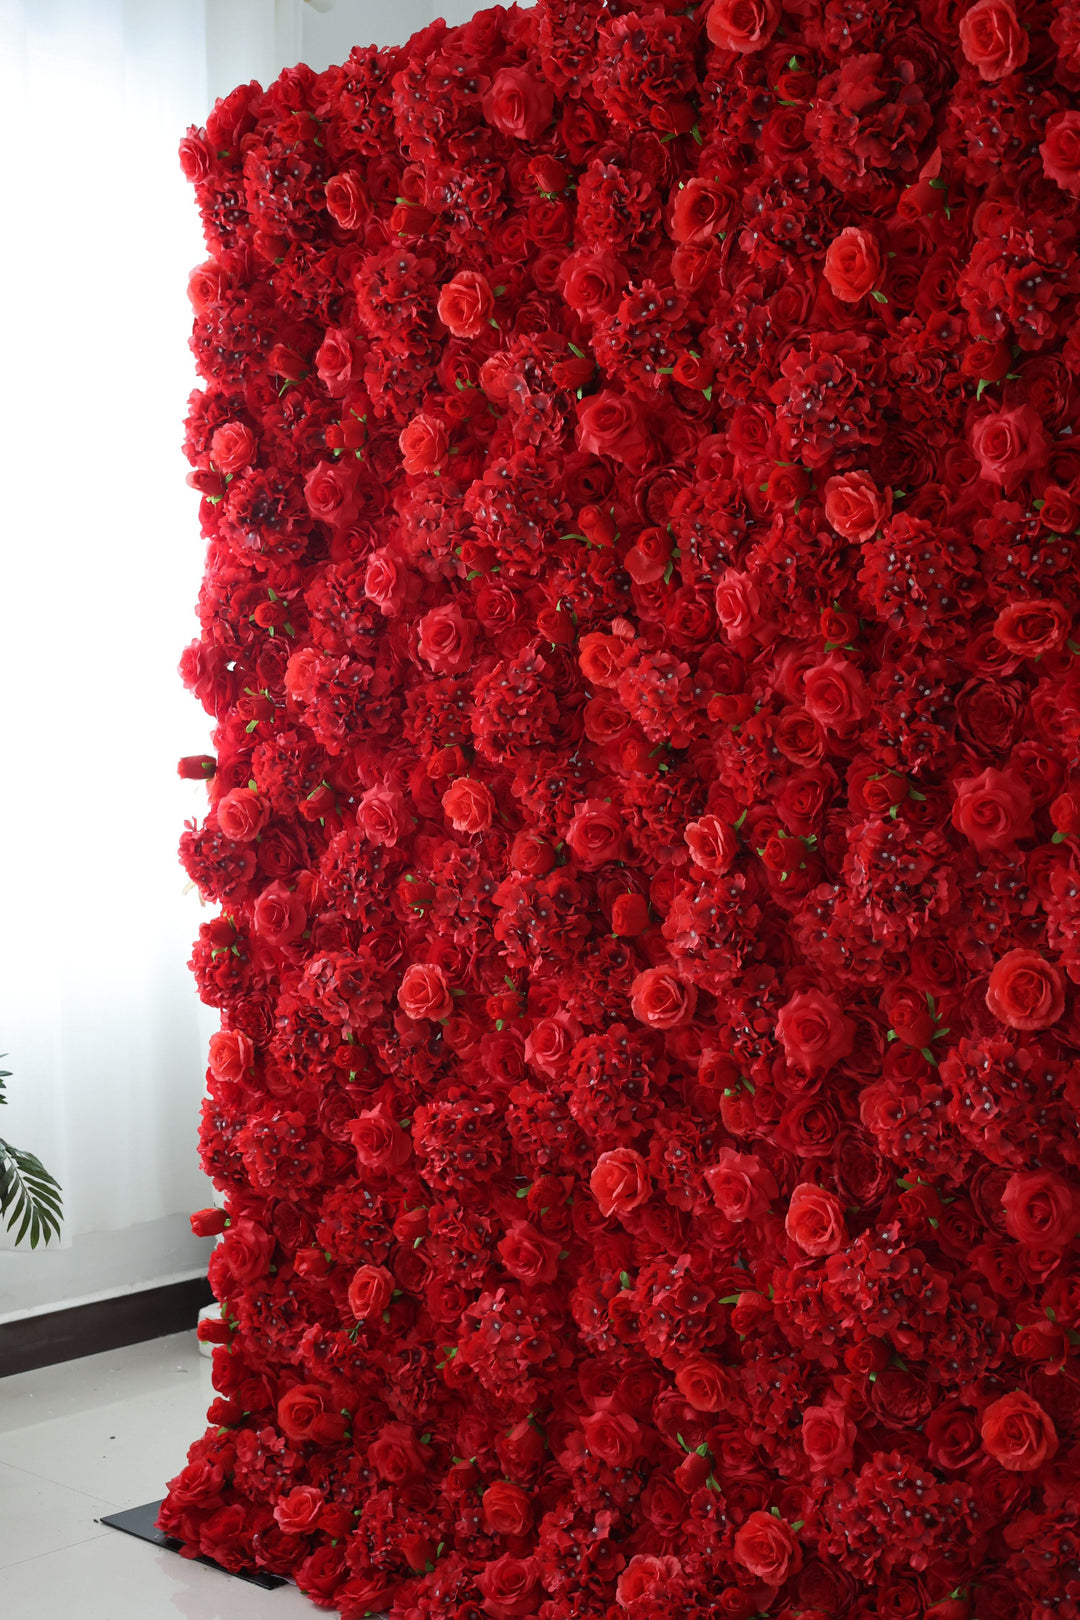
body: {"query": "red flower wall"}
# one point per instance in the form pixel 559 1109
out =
pixel 638 449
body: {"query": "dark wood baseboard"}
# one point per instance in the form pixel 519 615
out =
pixel 83 1330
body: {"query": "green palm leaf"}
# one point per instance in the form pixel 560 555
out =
pixel 29 1196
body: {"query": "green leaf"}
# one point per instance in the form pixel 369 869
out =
pixel 879 297
pixel 624 1279
pixel 29 1196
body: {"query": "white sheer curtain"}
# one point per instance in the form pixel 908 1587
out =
pixel 101 560
pixel 101 563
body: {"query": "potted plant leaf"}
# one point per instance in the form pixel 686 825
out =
pixel 29 1197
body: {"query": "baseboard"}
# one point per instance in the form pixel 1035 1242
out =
pixel 106 1324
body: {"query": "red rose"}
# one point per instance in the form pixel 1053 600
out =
pixel 506 1509
pixel 712 843
pixel 469 805
pixel 380 1142
pixel 742 25
pixel 424 444
pixel 1017 1433
pixel 232 448
pixel 852 265
pixel 1061 151
pixel 424 992
pixel 620 1181
pixel 347 202
pixel 854 505
pixel 741 1185
pixel 370 1292
pixel 334 363
pixel 706 1385
pixel 298 1513
pixel 1041 1209
pixel 1033 627
pixel 835 694
pixel 814 1031
pixel 510 1587
pixel 703 209
pixel 596 833
pixel 815 1220
pixel 299 1412
pixel 738 603
pixel 614 1437
pixel 445 640
pixel 466 304
pixel 231 1055
pixel 649 557
pixel 610 424
pixel 397 1455
pixel 381 814
pixel 828 1436
pixel 519 103
pixel 1009 444
pixel 330 492
pixel 768 1548
pixel 658 997
pixel 952 1436
pixel 1025 991
pixel 993 809
pixel 528 1256
pixel 992 39
pixel 278 915
pixel 242 815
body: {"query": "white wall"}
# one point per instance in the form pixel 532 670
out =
pixel 105 1035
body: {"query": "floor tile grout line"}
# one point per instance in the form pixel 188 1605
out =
pixel 62 1484
pixel 52 1552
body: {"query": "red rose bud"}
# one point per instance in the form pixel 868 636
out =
pixel 573 371
pixel 312 1263
pixel 597 525
pixel 629 915
pixel 693 371
pixel 207 483
pixel 196 767
pixel 548 173
pixel 410 1225
pixel 208 1222
pixel 692 1472
pixel 212 1330
pixel 285 362
pixel 924 197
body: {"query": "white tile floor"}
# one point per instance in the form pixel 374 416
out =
pixel 85 1438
